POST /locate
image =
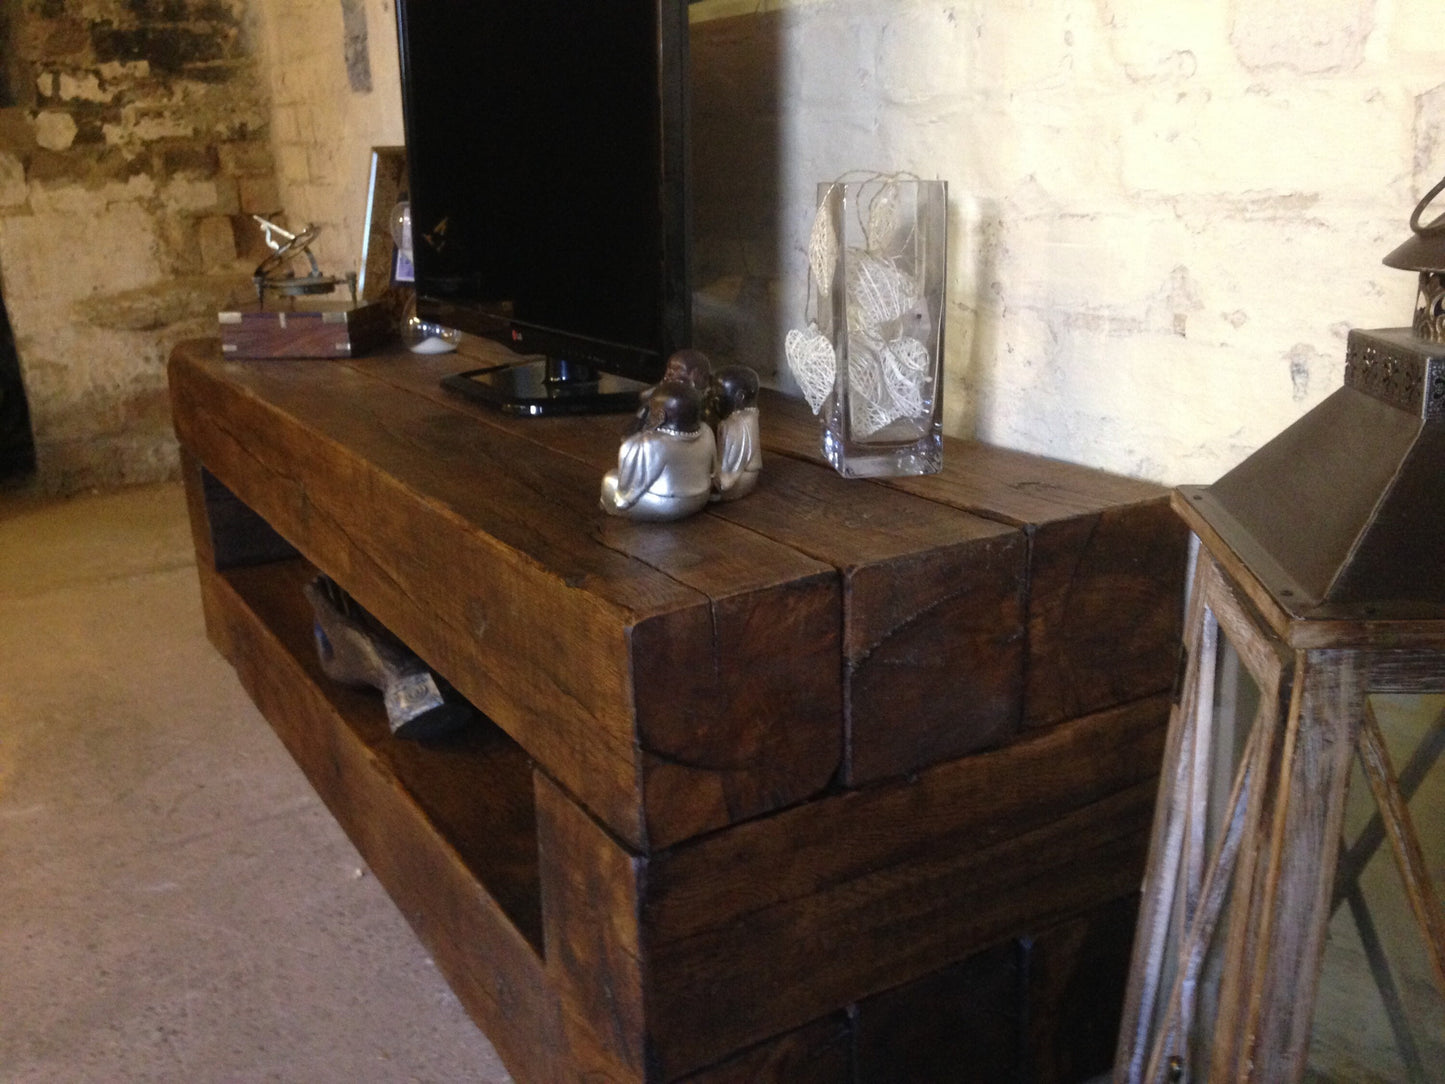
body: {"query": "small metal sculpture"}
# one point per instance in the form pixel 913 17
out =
pixel 274 273
pixel 734 395
pixel 355 649
pixel 664 469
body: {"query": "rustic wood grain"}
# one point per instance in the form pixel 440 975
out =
pixel 739 706
pixel 1161 876
pixel 963 1024
pixel 1244 851
pixel 1105 610
pixel 498 525
pixel 817 1053
pixel 1106 554
pixel 1279 692
pixel 339 491
pixel 1413 671
pixel 474 788
pixel 932 596
pixel 724 988
pixel 1198 921
pixel 1222 616
pixel 932 613
pixel 952 809
pixel 1106 567
pixel 591 896
pixel 1303 846
pixel 771 920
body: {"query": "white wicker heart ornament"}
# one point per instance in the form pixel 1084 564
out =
pixel 822 250
pixel 813 363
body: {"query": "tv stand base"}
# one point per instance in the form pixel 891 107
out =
pixel 843 782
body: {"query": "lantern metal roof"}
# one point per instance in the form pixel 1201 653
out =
pixel 1342 515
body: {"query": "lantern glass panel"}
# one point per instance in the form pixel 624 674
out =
pixel 1187 1004
pixel 1380 1014
pixel 1236 707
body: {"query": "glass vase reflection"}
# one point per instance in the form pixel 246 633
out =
pixel 878 256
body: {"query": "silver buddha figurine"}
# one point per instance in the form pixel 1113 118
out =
pixel 734 396
pixel 665 468
pixel 689 367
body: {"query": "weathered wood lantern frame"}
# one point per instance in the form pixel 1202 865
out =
pixel 1322 565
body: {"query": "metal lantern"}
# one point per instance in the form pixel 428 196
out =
pixel 1314 656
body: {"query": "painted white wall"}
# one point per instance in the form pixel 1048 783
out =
pixel 1165 216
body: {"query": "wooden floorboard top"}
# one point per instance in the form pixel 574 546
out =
pixel 1002 484
pixel 511 475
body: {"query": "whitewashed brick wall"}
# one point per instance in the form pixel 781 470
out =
pixel 1166 215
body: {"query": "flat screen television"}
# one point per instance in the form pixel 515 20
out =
pixel 548 179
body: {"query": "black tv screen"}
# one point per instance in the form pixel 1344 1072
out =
pixel 546 147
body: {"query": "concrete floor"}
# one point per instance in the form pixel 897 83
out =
pixel 175 902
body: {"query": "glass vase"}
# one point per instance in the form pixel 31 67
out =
pixel 879 258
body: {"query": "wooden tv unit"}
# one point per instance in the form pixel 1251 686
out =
pixel 845 781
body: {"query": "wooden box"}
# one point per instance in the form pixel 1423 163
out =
pixel 774 793
pixel 304 329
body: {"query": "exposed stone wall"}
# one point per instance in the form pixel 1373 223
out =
pixel 133 148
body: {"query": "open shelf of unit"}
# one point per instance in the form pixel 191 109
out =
pixel 474 789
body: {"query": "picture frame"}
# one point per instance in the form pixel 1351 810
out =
pixel 386 185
